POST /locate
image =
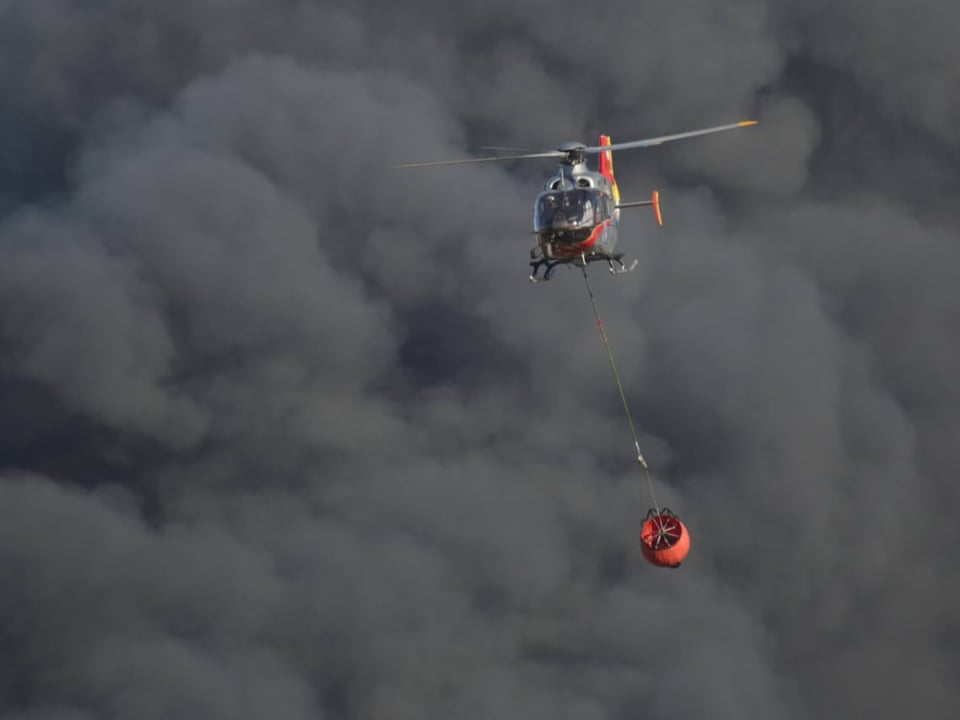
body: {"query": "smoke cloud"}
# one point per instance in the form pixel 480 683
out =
pixel 287 433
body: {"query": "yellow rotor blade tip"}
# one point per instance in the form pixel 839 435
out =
pixel 744 123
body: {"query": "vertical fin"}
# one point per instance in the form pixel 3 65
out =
pixel 606 167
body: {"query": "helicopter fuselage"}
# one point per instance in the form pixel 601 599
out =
pixel 576 216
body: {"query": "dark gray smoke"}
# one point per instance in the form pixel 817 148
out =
pixel 287 434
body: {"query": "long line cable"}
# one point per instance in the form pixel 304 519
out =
pixel 623 396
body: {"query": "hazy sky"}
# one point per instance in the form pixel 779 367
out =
pixel 287 434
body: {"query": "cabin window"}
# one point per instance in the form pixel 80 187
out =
pixel 571 209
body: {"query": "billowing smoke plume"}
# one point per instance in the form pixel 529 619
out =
pixel 287 434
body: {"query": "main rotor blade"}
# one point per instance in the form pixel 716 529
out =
pixel 666 138
pixel 526 156
pixel 500 148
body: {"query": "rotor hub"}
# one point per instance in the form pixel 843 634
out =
pixel 573 153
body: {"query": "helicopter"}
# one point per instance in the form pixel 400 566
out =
pixel 577 214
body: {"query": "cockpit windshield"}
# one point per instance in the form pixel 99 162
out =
pixel 570 209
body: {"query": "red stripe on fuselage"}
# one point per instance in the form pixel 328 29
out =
pixel 575 249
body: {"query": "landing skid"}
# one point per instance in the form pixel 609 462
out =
pixel 620 268
pixel 617 266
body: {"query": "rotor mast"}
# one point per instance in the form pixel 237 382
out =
pixel 573 162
